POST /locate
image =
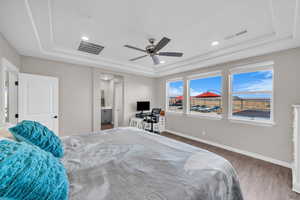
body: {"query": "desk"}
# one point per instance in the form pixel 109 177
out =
pixel 142 115
pixel 137 122
pixel 141 124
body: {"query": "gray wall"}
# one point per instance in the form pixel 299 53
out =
pixel 8 52
pixel 76 92
pixel 275 141
pixel 138 88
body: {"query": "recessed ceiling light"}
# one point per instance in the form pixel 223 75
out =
pixel 215 43
pixel 162 62
pixel 85 38
pixel 106 77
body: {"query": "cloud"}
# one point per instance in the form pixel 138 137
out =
pixel 194 92
pixel 266 74
pixel 175 91
pixel 178 91
pixel 261 85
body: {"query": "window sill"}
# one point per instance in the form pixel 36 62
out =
pixel 252 122
pixel 204 116
pixel 195 115
pixel 174 113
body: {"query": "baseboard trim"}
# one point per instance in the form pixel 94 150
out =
pixel 296 187
pixel 247 153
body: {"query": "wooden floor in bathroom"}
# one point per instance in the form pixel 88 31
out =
pixel 106 126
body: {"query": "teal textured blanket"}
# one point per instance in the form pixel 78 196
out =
pixel 29 173
pixel 37 134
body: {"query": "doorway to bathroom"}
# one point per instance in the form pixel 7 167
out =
pixel 111 89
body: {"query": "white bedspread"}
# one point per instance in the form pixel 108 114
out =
pixel 130 164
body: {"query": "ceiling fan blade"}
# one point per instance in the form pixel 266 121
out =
pixel 155 59
pixel 133 59
pixel 161 44
pixel 173 54
pixel 135 48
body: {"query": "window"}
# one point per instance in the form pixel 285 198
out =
pixel 252 94
pixel 175 95
pixel 205 94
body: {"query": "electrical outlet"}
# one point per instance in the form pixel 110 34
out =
pixel 203 132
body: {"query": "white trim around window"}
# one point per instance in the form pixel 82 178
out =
pixel 226 81
pixel 187 97
pixel 252 67
pixel 247 69
pixel 204 75
pixel 167 95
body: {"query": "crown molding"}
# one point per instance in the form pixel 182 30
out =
pixel 71 56
pixel 220 52
pixel 266 43
pixel 254 50
pixel 258 46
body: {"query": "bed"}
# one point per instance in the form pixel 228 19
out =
pixel 131 164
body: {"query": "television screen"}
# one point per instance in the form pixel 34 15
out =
pixel 143 105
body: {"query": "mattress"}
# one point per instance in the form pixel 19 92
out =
pixel 131 164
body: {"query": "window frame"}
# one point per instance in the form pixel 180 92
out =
pixel 265 66
pixel 187 97
pixel 167 95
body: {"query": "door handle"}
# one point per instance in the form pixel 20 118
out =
pixel 55 117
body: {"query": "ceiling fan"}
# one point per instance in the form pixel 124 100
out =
pixel 152 50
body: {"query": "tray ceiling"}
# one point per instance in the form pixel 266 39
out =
pixel 53 29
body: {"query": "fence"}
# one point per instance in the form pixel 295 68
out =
pixel 239 104
pixel 261 104
pixel 209 102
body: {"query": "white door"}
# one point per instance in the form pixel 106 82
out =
pixel 118 104
pixel 12 97
pixel 38 100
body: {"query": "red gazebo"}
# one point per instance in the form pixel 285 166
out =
pixel 179 98
pixel 207 95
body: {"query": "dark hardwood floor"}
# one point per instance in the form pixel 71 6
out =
pixel 259 180
pixel 106 126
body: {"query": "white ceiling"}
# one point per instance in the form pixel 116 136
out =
pixel 52 29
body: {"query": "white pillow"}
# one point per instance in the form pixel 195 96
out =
pixel 5 133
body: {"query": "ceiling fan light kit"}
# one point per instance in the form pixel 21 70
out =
pixel 153 49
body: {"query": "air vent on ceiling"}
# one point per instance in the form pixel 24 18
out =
pixel 236 35
pixel 90 47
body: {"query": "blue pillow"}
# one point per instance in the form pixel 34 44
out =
pixel 39 135
pixel 29 173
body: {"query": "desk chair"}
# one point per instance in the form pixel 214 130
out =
pixel 153 119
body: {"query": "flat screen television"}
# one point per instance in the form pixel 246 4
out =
pixel 143 106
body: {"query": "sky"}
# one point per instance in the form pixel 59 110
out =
pixel 176 89
pixel 212 84
pixel 253 81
